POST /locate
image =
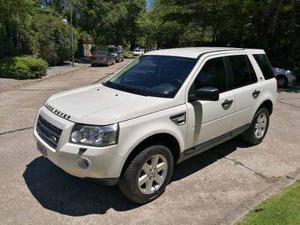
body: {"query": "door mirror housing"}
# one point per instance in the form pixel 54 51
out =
pixel 205 93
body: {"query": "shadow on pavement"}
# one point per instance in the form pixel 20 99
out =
pixel 207 158
pixel 57 191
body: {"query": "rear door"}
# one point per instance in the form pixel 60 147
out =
pixel 210 119
pixel 244 84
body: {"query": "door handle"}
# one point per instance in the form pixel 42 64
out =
pixel 255 93
pixel 227 104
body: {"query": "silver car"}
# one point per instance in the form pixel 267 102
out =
pixel 284 77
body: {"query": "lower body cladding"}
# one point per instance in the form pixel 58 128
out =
pixel 101 164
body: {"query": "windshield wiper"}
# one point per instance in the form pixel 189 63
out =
pixel 130 89
pixel 125 88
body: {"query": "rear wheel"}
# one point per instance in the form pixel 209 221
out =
pixel 258 128
pixel 147 175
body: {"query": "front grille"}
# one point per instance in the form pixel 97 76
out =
pixel 48 132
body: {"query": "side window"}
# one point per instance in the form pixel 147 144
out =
pixel 241 70
pixel 264 65
pixel 212 75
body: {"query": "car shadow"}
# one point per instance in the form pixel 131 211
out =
pixel 57 191
pixel 207 158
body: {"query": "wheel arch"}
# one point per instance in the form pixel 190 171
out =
pixel 160 138
pixel 268 104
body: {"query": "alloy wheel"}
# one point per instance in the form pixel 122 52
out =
pixel 153 174
pixel 260 125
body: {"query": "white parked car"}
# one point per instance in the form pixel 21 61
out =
pixel 161 109
pixel 138 52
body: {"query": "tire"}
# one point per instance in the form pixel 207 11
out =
pixel 252 135
pixel 282 82
pixel 129 180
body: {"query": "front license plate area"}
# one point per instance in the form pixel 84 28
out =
pixel 42 149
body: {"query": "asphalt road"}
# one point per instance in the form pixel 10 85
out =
pixel 216 187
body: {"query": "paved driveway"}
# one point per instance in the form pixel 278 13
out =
pixel 216 187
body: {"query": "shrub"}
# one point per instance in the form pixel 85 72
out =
pixel 51 39
pixel 128 55
pixel 23 67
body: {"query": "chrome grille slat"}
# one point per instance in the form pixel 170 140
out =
pixel 48 132
pixel 52 132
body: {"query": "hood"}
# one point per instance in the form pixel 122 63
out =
pixel 102 105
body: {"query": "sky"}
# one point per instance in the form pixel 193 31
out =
pixel 148 2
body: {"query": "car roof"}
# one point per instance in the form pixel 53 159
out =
pixel 195 52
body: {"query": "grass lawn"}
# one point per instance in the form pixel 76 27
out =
pixel 282 209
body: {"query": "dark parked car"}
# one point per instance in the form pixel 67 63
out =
pixel 102 57
pixel 284 77
pixel 117 52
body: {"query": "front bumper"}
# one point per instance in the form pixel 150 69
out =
pixel 99 62
pixel 78 160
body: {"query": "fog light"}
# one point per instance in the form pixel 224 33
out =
pixel 84 163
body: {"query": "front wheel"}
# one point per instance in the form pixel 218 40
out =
pixel 147 175
pixel 258 128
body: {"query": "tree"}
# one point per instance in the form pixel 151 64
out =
pixel 109 22
pixel 14 15
pixel 269 24
pixel 51 38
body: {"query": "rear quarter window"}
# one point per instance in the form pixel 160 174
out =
pixel 264 65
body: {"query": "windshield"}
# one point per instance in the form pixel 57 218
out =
pixel 160 76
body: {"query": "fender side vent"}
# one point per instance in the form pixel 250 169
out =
pixel 179 119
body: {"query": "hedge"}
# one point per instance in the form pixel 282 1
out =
pixel 23 67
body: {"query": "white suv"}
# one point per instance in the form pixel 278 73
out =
pixel 162 108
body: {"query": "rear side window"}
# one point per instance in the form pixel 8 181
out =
pixel 240 70
pixel 264 65
pixel 212 75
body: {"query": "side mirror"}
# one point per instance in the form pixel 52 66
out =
pixel 205 93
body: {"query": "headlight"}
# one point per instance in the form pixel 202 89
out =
pixel 95 135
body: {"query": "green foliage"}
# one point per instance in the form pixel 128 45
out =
pixel 128 55
pixel 109 22
pixel 25 67
pixel 281 209
pixel 51 38
pixel 273 25
pixel 26 28
pixel 14 36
